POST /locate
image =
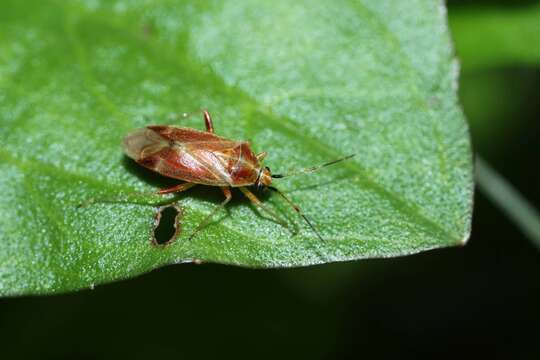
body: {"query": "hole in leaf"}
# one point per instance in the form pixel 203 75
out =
pixel 167 225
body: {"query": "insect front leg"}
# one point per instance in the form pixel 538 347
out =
pixel 261 155
pixel 202 224
pixel 258 203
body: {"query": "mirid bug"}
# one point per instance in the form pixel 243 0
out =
pixel 201 157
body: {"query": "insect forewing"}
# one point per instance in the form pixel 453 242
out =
pixel 141 143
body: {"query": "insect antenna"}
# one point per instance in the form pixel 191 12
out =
pixel 312 168
pixel 298 210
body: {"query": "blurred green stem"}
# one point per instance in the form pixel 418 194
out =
pixel 509 200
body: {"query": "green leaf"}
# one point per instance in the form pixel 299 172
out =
pixel 307 81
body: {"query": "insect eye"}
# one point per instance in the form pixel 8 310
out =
pixel 267 168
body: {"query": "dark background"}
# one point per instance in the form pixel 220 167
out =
pixel 482 299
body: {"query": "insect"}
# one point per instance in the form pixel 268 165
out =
pixel 204 158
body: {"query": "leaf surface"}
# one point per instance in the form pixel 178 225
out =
pixel 306 81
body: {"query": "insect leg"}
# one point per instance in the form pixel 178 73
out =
pixel 131 198
pixel 206 116
pixel 258 203
pixel 261 156
pixel 176 188
pixel 202 224
pixel 142 196
pixel 208 121
pixel 298 210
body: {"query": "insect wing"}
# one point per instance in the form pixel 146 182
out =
pixel 182 153
pixel 142 143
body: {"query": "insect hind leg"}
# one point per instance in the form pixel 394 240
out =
pixel 206 220
pixel 141 198
pixel 176 188
pixel 208 121
pixel 206 117
pixel 129 198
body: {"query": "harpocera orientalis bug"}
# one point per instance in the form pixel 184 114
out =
pixel 203 158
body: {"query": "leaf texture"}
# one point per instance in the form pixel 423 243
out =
pixel 307 81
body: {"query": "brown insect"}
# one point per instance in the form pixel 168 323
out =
pixel 201 157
